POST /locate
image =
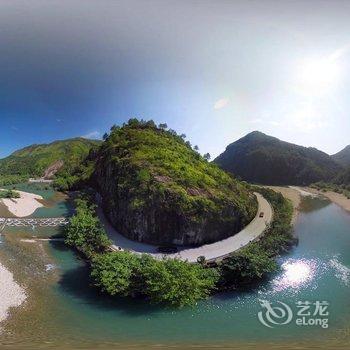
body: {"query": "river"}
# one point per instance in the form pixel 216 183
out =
pixel 63 308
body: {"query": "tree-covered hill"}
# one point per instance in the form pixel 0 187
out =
pixel 47 159
pixel 263 159
pixel 343 178
pixel 155 188
pixel 343 157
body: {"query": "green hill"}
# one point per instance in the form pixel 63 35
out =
pixel 263 159
pixel 343 178
pixel 343 157
pixel 155 188
pixel 47 159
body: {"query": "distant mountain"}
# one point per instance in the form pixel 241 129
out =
pixel 263 159
pixel 47 159
pixel 343 157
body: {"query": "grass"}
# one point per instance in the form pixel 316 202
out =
pixel 324 187
pixel 9 194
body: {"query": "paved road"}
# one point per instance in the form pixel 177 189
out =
pixel 210 251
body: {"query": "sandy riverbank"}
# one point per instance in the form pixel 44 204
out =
pixel 336 198
pixel 11 293
pixel 23 206
pixel 295 193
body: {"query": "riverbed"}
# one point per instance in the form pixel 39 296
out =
pixel 63 308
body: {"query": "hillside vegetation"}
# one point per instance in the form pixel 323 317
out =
pixel 45 159
pixel 340 183
pixel 169 281
pixel 343 157
pixel 262 159
pixel 155 188
pixel 9 194
pixel 343 178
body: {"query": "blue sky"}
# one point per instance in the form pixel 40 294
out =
pixel 214 70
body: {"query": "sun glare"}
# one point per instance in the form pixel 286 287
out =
pixel 296 273
pixel 317 76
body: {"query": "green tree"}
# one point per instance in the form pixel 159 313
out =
pixel 207 156
pixel 84 231
pixel 134 122
pixel 114 272
pixel 9 194
pixel 171 282
pixel 176 282
pixel 163 126
pixel 247 265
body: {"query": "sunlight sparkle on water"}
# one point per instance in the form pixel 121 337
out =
pixel 295 273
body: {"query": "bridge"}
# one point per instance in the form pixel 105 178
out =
pixel 33 222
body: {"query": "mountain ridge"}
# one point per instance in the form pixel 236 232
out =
pixel 35 159
pixel 264 159
pixel 343 156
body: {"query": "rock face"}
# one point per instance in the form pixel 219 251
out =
pixel 156 189
pixel 53 169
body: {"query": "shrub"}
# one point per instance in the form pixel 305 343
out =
pixel 247 265
pixel 177 283
pixel 114 272
pixel 172 282
pixel 84 231
pixel 9 194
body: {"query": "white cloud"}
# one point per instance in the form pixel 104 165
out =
pixel 223 102
pixel 92 135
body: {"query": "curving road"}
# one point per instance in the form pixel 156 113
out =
pixel 211 251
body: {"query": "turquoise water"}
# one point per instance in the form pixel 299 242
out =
pixel 44 190
pixel 317 269
pixel 56 204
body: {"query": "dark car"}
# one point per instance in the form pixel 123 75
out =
pixel 261 215
pixel 167 249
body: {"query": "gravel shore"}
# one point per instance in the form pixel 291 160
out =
pixel 11 294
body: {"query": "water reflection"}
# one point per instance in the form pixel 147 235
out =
pixel 342 272
pixel 68 309
pixel 310 204
pixel 295 274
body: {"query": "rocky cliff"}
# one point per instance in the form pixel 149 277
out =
pixel 155 188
